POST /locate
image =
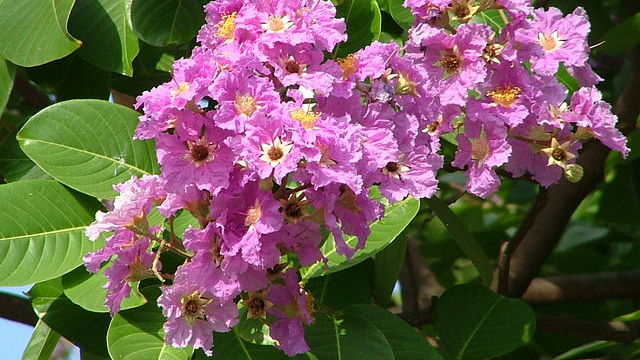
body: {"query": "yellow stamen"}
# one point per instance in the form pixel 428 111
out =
pixel 505 95
pixel 227 26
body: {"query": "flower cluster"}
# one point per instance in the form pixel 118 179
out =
pixel 267 141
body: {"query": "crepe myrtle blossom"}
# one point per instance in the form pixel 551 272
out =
pixel 267 142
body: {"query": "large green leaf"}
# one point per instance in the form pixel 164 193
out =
pixel 34 32
pixel 363 25
pixel 347 337
pixel 86 329
pixel 138 334
pixel 105 28
pixel 86 289
pixel 388 264
pixel 475 323
pixel 87 145
pixel 43 341
pixel 405 341
pixel 400 14
pixel 166 22
pixel 383 232
pixel 343 288
pixel 7 73
pixel 229 346
pixel 42 231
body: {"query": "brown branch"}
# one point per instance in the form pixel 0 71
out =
pixel 623 332
pixel 17 309
pixel 30 94
pixel 545 223
pixel 419 285
pixel 584 287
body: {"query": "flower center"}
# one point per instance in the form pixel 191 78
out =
pixel 276 152
pixel 182 88
pixel 479 148
pixel 246 105
pixel 277 24
pixel 292 66
pixel 193 306
pixel 505 95
pixel 253 215
pixel 550 42
pixel 392 166
pixel 306 118
pixel 200 151
pixel 450 62
pixel 559 154
pixel 227 26
pixel 349 65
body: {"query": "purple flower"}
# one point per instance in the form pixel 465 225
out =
pixel 453 62
pixel 195 154
pixel 193 314
pixel 481 148
pixel 557 39
pixel 590 112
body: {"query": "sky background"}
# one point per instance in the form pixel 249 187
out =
pixel 14 336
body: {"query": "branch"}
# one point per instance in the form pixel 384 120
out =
pixel 419 284
pixel 623 332
pixel 584 287
pixel 17 309
pixel 547 220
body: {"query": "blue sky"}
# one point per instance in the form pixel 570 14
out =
pixel 15 336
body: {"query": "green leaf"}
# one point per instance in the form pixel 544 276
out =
pixel 86 289
pixel 343 288
pixel 42 232
pixel 105 28
pixel 34 32
pixel 229 346
pixel 383 232
pixel 86 329
pixel 405 341
pixel 388 264
pixel 348 337
pixel 7 73
pixel 363 25
pixel 567 80
pixel 138 334
pixel 400 14
pixel 582 350
pixel 490 17
pixel 465 240
pixel 42 342
pixel 87 145
pixel 166 22
pixel 475 323
pixel 622 38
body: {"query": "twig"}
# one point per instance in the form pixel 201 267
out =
pixel 419 285
pixel 584 287
pixel 17 309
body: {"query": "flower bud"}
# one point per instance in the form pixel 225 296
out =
pixel 573 172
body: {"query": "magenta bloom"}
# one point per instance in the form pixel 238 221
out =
pixel 481 148
pixel 557 39
pixel 130 208
pixel 453 62
pixel 193 314
pixel 195 154
pixel 133 264
pixel 291 305
pixel 590 112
